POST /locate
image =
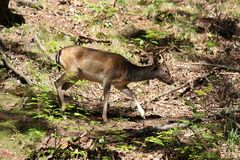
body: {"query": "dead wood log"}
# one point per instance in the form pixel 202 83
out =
pixel 23 78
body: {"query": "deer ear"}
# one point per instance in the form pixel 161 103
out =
pixel 160 59
pixel 157 59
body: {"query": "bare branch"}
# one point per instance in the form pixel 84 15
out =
pixel 18 73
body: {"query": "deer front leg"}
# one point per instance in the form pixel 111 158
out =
pixel 62 85
pixel 130 93
pixel 106 92
pixel 60 93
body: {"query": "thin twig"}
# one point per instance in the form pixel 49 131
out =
pixel 42 47
pixel 114 3
pixel 217 65
pixel 84 134
pixel 168 92
pixel 197 136
pixel 63 32
pixel 182 86
pixel 39 43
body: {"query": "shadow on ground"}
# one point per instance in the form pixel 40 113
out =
pixel 13 19
pixel 21 121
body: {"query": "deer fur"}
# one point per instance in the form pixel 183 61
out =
pixel 106 68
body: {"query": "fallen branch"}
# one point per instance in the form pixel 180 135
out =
pixel 83 39
pixel 42 47
pixel 21 76
pixel 217 65
pixel 63 32
pixel 173 125
pixel 153 129
pixel 191 83
pixel 178 124
pixel 171 91
pixel 39 43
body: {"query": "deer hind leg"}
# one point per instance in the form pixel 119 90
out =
pixel 131 94
pixel 106 93
pixel 63 84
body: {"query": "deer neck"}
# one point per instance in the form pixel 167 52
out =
pixel 140 73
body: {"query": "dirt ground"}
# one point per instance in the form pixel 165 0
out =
pixel 125 126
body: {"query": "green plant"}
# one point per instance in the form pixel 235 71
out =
pixel 35 135
pixel 204 91
pixel 233 137
pixel 156 34
pixel 102 10
pixel 231 129
pixel 155 6
pixel 196 151
pixel 81 18
pixel 163 138
pixel 101 142
pixel 125 147
pixel 151 37
pixel 210 44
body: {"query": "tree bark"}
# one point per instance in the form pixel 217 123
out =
pixel 3 10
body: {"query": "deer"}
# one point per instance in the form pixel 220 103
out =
pixel 108 69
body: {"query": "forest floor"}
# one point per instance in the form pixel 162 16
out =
pixel 195 118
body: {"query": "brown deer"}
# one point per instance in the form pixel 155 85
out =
pixel 105 68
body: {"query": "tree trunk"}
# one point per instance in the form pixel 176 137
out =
pixel 3 10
